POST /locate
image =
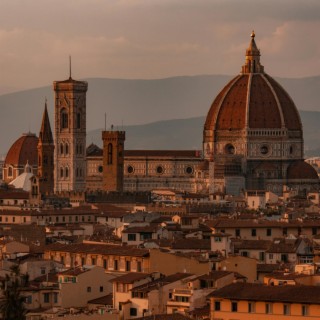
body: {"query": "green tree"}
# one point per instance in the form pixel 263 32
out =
pixel 12 307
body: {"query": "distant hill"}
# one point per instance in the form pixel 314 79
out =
pixel 187 134
pixel 136 102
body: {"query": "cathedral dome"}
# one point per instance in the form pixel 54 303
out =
pixel 23 151
pixel 301 170
pixel 253 100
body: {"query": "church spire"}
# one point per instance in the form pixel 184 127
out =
pixel 252 64
pixel 45 135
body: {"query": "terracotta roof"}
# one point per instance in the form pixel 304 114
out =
pixel 131 277
pixel 173 316
pixel 14 195
pixel 214 275
pixel 254 223
pixel 163 153
pixel 191 244
pixel 74 271
pixel 257 292
pixel 252 244
pixel 160 282
pixel 140 229
pixel 98 249
pixel 267 268
pixel 301 170
pixel 257 95
pixel 23 150
pixel 105 300
pixel 284 246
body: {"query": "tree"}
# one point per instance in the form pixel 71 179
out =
pixel 12 307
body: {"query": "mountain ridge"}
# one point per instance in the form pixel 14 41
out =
pixel 142 101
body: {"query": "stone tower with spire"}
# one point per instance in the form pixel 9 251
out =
pixel 45 156
pixel 70 135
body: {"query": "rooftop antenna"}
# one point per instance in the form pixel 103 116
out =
pixel 70 67
pixel 105 121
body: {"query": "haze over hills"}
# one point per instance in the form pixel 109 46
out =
pixel 133 103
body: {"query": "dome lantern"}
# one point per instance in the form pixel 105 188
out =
pixel 252 63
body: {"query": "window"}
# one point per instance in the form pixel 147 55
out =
pixel 251 307
pixel 61 172
pixel 64 119
pixel 133 312
pixel 10 172
pixel 284 257
pixel 88 289
pixel 93 261
pixel 67 172
pixel 268 308
pixel 217 306
pixel 305 310
pixel 269 232
pixel 253 232
pixel 78 120
pixel 67 148
pixel 101 289
pixel 245 253
pixel 28 299
pixel 55 297
pixel 237 232
pixel 286 309
pixel 43 270
pixel 105 263
pixel 270 256
pixel 261 256
pixel 131 237
pixel 46 297
pixel 109 153
pixel 285 231
pixel 234 306
pixel 139 266
pixel 314 231
pixel 128 265
pixel 115 264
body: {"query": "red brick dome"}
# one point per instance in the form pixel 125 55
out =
pixel 23 150
pixel 253 100
pixel 301 170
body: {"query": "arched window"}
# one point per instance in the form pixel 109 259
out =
pixel 64 119
pixel 78 120
pixel 67 172
pixel 10 172
pixel 61 172
pixel 110 153
pixel 67 148
pixel 61 148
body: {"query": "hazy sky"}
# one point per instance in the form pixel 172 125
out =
pixel 153 38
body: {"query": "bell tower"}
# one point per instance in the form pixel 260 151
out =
pixel 113 160
pixel 70 135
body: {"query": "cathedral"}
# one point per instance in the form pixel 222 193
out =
pixel 252 140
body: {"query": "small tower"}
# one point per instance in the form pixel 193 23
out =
pixel 45 156
pixel 70 135
pixel 113 160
